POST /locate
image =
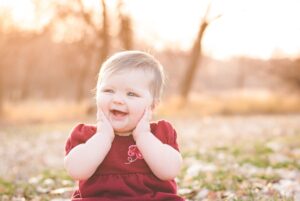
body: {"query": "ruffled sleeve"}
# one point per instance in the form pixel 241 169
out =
pixel 80 134
pixel 165 132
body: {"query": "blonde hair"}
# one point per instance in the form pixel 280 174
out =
pixel 135 60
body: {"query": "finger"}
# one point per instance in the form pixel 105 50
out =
pixel 144 115
pixel 99 119
pixel 100 115
pixel 150 112
pixel 103 120
pixel 147 114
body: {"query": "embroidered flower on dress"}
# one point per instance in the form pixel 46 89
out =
pixel 133 154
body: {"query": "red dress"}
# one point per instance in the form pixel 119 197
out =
pixel 123 175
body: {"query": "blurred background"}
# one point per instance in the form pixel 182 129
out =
pixel 221 57
pixel 232 92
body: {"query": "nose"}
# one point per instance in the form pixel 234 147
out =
pixel 118 99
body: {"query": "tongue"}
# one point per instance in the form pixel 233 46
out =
pixel 119 113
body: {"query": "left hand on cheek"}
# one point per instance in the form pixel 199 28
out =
pixel 143 125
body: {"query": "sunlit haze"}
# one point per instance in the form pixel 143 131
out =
pixel 256 28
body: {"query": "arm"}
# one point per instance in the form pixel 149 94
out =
pixel 83 160
pixel 164 161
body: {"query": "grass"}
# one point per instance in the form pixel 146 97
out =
pixel 240 167
pixel 245 171
pixel 228 172
pixel 44 186
pixel 6 187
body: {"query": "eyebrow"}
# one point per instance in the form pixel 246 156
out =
pixel 132 89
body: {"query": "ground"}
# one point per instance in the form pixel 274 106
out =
pixel 225 158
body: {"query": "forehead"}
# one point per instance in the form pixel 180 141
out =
pixel 133 77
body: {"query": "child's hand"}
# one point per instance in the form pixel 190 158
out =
pixel 103 125
pixel 143 126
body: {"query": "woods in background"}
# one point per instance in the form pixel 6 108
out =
pixel 49 63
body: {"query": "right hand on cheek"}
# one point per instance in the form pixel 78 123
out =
pixel 103 125
pixel 143 126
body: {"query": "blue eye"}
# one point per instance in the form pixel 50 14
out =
pixel 132 94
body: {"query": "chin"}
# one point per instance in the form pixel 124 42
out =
pixel 123 127
pixel 122 130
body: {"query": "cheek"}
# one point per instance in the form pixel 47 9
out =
pixel 103 104
pixel 138 110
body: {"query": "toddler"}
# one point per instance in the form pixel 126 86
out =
pixel 124 157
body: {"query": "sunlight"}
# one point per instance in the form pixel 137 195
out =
pixel 22 12
pixel 257 31
pixel 253 28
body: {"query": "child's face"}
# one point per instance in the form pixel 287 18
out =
pixel 123 97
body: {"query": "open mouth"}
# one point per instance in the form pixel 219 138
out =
pixel 118 113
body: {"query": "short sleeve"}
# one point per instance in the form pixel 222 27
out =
pixel 165 132
pixel 79 134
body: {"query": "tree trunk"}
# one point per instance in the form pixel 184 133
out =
pixel 104 34
pixel 125 29
pixel 88 69
pixel 1 93
pixel 196 55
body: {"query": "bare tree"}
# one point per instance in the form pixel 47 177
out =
pixel 125 28
pixel 104 33
pixel 91 48
pixel 4 39
pixel 95 40
pixel 1 90
pixel 2 44
pixel 288 71
pixel 29 38
pixel 196 55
